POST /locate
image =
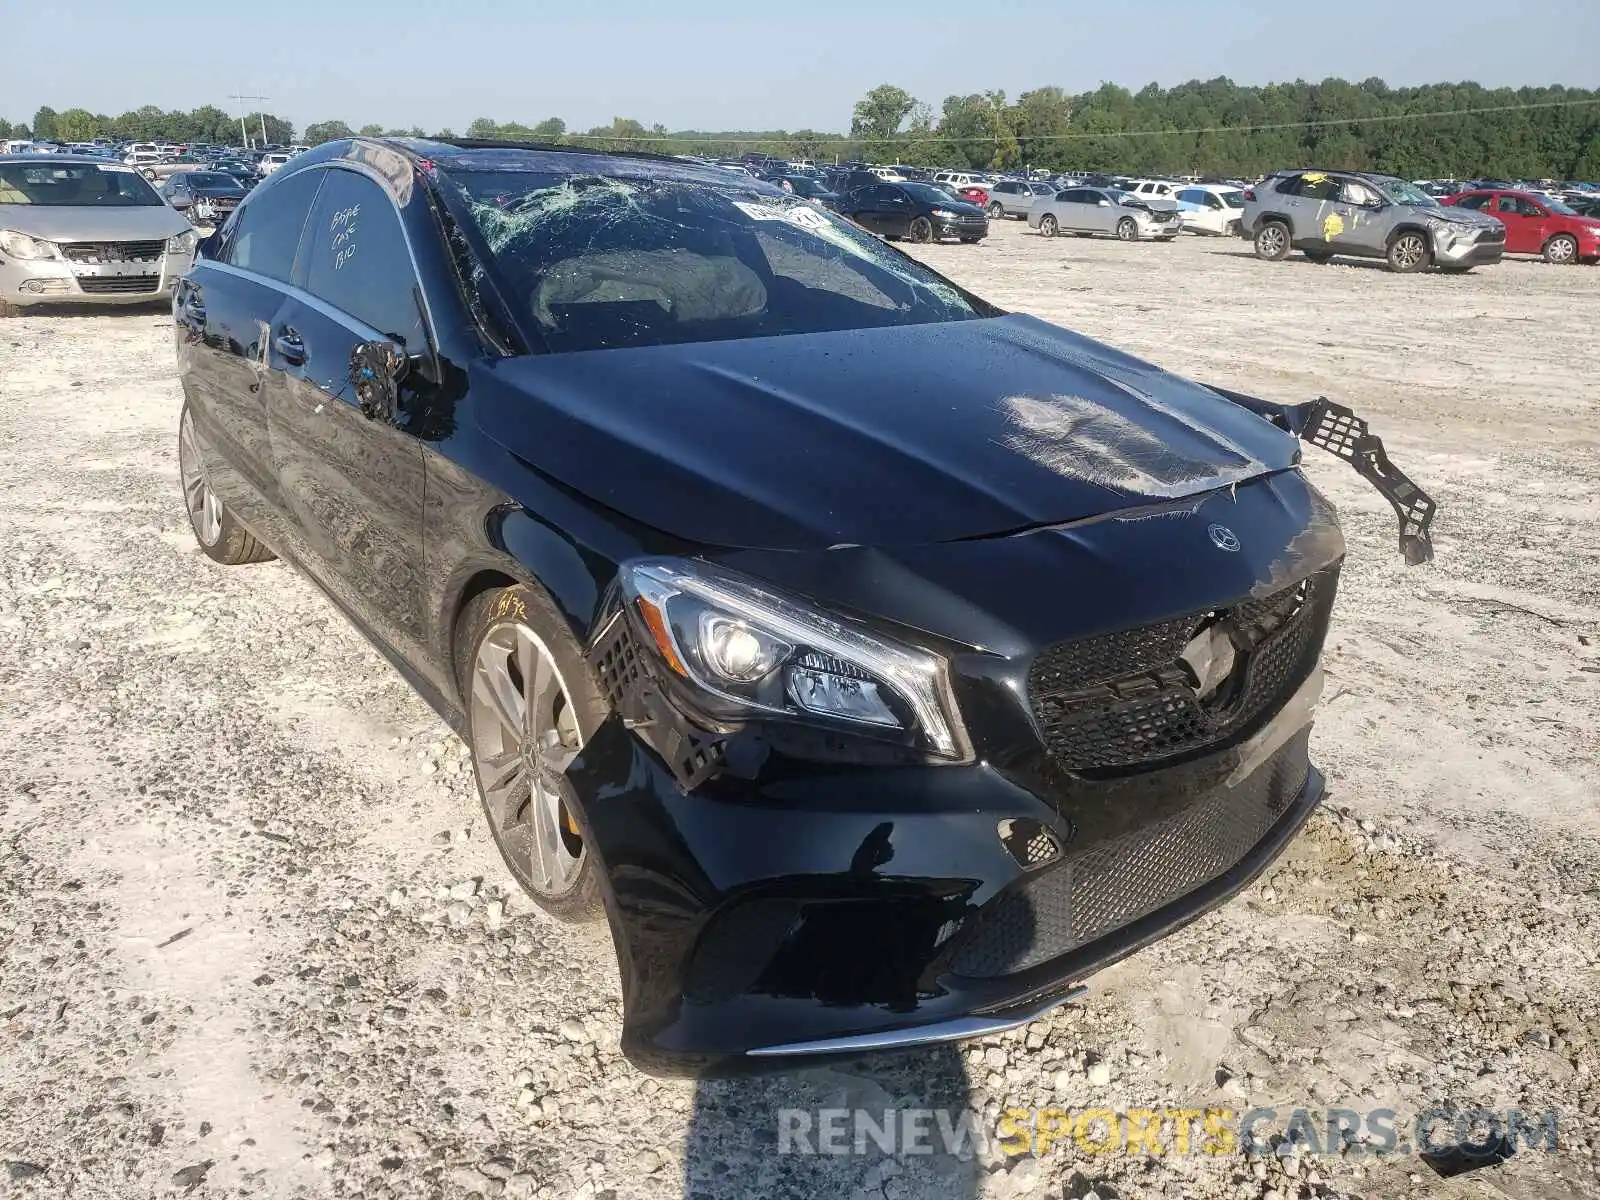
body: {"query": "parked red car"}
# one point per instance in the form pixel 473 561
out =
pixel 1537 224
pixel 975 195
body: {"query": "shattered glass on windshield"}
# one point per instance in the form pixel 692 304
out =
pixel 599 261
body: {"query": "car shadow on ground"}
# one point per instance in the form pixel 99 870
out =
pixel 838 1131
pixel 1300 260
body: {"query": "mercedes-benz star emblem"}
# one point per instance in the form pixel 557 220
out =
pixel 1223 538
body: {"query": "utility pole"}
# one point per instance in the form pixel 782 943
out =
pixel 243 136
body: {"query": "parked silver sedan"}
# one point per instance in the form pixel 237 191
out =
pixel 86 231
pixel 1087 211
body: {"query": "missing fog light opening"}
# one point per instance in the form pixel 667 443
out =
pixel 818 688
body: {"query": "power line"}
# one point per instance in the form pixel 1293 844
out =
pixel 904 140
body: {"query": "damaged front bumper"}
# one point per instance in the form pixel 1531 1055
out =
pixel 776 900
pixel 762 923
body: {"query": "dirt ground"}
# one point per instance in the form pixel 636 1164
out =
pixel 254 940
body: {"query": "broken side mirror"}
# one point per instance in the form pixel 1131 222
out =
pixel 210 245
pixel 376 369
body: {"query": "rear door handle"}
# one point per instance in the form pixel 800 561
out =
pixel 289 345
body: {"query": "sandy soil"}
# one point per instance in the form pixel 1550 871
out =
pixel 254 942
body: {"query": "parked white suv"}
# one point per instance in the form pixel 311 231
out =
pixel 1158 189
pixel 961 179
pixel 271 162
pixel 1013 198
pixel 1211 208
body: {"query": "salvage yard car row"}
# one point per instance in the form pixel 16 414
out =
pixel 88 228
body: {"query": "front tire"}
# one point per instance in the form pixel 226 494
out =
pixel 1127 230
pixel 1272 241
pixel 1047 226
pixel 531 703
pixel 222 538
pixel 996 211
pixel 1562 250
pixel 1408 253
pixel 920 231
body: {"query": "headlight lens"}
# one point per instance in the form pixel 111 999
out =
pixel 21 246
pixel 753 652
pixel 943 212
pixel 182 243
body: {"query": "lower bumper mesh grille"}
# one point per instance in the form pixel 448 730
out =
pixel 1117 881
pixel 122 285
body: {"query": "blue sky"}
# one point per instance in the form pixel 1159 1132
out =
pixel 745 64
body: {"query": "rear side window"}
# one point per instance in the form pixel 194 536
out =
pixel 357 258
pixel 266 231
pixel 1313 186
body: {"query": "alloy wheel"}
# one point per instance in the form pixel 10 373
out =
pixel 1047 225
pixel 524 735
pixel 1128 230
pixel 205 510
pixel 1409 252
pixel 1272 241
pixel 921 230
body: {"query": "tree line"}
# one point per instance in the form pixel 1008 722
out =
pixel 1209 128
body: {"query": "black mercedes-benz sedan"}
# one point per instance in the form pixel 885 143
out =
pixel 876 663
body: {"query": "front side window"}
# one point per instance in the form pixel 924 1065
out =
pixel 266 229
pixel 1356 192
pixel 76 185
pixel 357 258
pixel 592 262
pixel 1473 202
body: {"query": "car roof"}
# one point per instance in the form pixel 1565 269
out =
pixel 471 154
pixel 58 160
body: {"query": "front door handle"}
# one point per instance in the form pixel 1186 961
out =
pixel 289 345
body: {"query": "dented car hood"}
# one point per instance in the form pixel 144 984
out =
pixel 896 436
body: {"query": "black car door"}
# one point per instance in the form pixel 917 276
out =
pixel 224 309
pixel 854 204
pixel 895 211
pixel 352 479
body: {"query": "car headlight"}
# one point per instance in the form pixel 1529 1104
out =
pixel 944 214
pixel 749 652
pixel 182 243
pixel 21 246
